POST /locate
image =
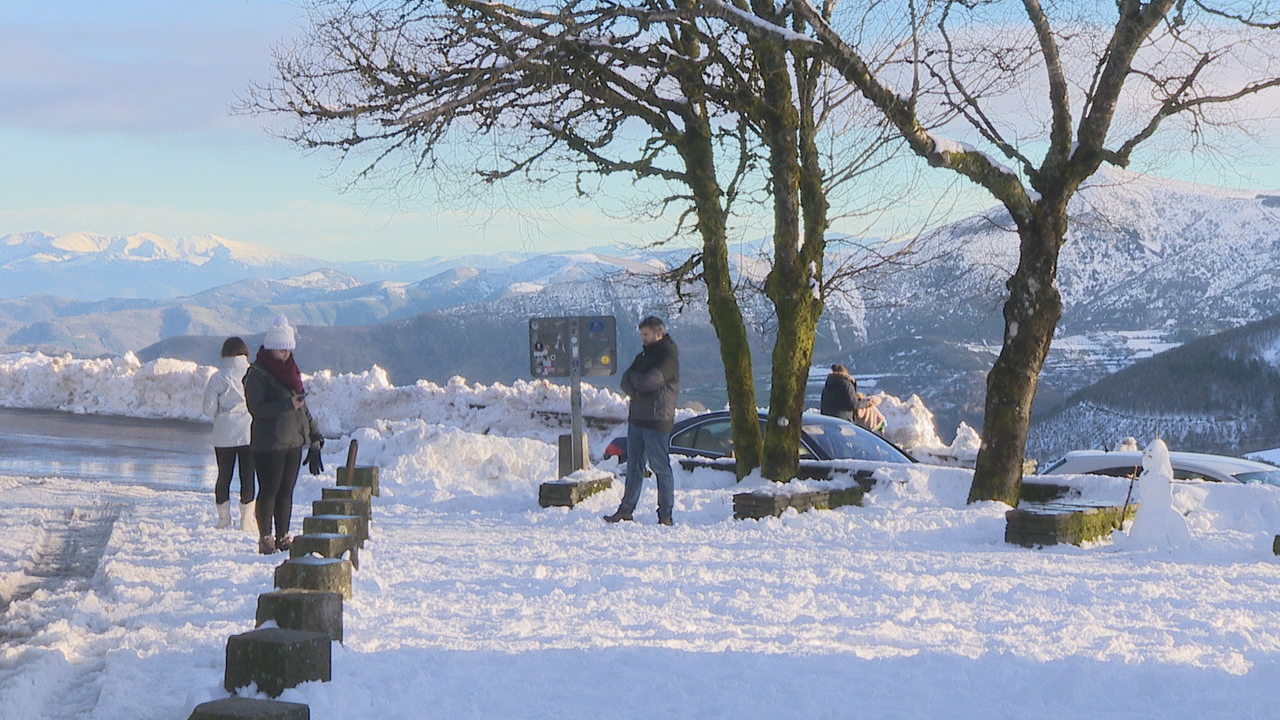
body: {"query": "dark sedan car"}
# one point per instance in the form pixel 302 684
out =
pixel 821 438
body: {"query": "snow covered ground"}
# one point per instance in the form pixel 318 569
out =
pixel 472 602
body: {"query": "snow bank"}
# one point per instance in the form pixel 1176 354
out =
pixel 341 402
pixel 162 388
pixel 345 402
pixel 910 425
pixel 442 467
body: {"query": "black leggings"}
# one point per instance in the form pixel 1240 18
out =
pixel 277 474
pixel 227 457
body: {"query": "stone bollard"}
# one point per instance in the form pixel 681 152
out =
pixel 309 573
pixel 277 659
pixel 238 708
pixel 347 492
pixel 296 609
pixel 338 524
pixel 358 508
pixel 362 476
pixel 330 545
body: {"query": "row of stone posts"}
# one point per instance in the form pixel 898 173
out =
pixel 305 607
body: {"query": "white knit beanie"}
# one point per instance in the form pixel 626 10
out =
pixel 280 335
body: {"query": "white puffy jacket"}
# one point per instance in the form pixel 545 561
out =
pixel 224 402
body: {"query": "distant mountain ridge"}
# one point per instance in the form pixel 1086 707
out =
pixel 90 266
pixel 1141 252
pixel 1148 264
pixel 319 297
pixel 1220 393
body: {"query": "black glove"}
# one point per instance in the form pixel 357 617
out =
pixel 314 463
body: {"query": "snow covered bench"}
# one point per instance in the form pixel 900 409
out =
pixel 571 490
pixel 756 505
pixel 1073 523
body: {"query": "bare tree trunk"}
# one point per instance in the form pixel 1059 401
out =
pixel 1030 315
pixel 785 285
pixel 697 149
pixel 726 314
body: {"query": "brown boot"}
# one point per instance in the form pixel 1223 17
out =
pixel 267 545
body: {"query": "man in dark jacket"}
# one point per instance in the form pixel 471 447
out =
pixel 840 394
pixel 652 382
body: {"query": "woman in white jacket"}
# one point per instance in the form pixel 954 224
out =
pixel 224 402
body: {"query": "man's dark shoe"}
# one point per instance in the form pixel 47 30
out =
pixel 665 520
pixel 619 516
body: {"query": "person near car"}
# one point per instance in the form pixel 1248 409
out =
pixel 839 394
pixel 653 384
pixel 282 425
pixel 224 402
pixel 841 399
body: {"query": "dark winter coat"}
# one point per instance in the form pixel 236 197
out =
pixel 653 382
pixel 840 397
pixel 277 424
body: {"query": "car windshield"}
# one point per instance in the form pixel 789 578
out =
pixel 1266 477
pixel 845 441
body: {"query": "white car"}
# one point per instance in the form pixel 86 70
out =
pixel 1186 466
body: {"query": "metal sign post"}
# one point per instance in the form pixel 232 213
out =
pixel 577 448
pixel 573 347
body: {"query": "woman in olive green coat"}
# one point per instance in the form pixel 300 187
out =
pixel 282 425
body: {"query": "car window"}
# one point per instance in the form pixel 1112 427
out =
pixel 1266 477
pixel 1124 471
pixel 1184 474
pixel 713 438
pixel 684 438
pixel 844 441
pixel 805 452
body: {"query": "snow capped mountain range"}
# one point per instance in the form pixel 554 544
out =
pixel 89 266
pixel 1141 253
pixel 1148 264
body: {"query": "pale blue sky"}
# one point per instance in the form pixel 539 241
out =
pixel 114 119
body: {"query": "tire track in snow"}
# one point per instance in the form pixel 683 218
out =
pixel 65 559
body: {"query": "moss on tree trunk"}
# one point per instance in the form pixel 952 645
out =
pixel 1031 314
pixel 697 149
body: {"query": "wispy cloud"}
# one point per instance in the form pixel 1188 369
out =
pixel 141 67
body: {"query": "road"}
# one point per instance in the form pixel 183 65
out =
pixel 158 453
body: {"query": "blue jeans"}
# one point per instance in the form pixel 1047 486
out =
pixel 645 445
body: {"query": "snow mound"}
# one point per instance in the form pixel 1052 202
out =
pixel 449 468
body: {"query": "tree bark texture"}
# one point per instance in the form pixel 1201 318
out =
pixel 1031 314
pixel 786 284
pixel 697 149
pixel 726 314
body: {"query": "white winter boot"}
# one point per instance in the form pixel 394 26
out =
pixel 248 520
pixel 224 515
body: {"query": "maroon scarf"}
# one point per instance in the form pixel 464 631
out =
pixel 286 372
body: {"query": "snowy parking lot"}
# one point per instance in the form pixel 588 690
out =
pixel 472 602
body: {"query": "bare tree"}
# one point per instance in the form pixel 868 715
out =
pixel 1106 77
pixel 576 90
pixel 647 90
